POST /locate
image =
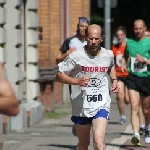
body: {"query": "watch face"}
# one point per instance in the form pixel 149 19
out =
pixel 145 59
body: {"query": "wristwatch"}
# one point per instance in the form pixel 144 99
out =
pixel 112 80
pixel 145 60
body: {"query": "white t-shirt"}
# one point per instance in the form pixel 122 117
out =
pixel 78 44
pixel 87 101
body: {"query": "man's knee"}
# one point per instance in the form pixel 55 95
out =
pixel 99 144
pixel 134 108
pixel 84 144
pixel 145 111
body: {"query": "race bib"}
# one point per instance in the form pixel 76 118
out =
pixel 137 66
pixel 118 59
pixel 93 99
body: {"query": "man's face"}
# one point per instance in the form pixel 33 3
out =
pixel 120 35
pixel 139 29
pixel 82 27
pixel 94 40
pixel 147 34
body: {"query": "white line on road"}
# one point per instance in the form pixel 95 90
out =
pixel 115 144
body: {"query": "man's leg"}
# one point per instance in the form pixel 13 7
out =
pixel 99 126
pixel 146 111
pixel 135 100
pixel 83 134
pixel 142 120
pixel 127 101
pixel 121 97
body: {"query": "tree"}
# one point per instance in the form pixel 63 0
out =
pixel 124 14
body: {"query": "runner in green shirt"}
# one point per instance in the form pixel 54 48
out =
pixel 142 48
pixel 137 55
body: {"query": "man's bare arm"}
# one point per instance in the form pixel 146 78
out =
pixel 141 59
pixel 126 56
pixel 63 78
pixel 62 56
pixel 124 61
pixel 8 103
pixel 112 73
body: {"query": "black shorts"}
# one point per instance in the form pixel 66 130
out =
pixel 122 79
pixel 139 84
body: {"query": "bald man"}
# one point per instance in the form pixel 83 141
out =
pixel 86 70
pixel 138 80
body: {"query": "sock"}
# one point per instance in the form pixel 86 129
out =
pixel 142 126
pixel 137 134
pixel 148 127
pixel 123 117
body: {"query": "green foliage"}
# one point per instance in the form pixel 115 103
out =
pixel 97 19
pixel 55 115
pixel 124 14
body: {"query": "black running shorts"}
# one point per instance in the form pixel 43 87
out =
pixel 122 79
pixel 139 84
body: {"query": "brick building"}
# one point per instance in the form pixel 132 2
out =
pixel 57 21
pixel 31 32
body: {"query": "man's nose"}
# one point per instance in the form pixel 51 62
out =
pixel 93 41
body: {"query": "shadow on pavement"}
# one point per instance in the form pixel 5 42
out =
pixel 111 122
pixel 132 147
pixel 121 133
pixel 111 144
pixel 66 125
pixel 126 146
pixel 73 147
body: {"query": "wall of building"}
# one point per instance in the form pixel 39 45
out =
pixel 49 22
pixel 19 54
pixel 31 33
pixel 78 9
pixel 58 20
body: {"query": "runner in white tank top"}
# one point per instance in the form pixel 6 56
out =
pixel 86 70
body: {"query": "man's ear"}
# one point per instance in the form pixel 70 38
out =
pixel 102 38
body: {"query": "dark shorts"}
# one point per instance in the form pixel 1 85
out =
pixel 139 84
pixel 70 89
pixel 84 120
pixel 122 79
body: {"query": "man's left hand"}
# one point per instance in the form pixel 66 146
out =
pixel 139 58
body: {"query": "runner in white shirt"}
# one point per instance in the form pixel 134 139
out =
pixel 86 70
pixel 71 44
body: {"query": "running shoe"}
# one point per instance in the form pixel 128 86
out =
pixel 147 137
pixel 77 147
pixel 142 131
pixel 122 120
pixel 136 140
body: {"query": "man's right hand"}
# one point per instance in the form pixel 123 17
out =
pixel 71 50
pixel 83 81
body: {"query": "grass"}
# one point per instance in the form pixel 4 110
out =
pixel 60 111
pixel 55 115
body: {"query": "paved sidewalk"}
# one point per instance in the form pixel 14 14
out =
pixel 55 134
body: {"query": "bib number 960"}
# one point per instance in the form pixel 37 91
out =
pixel 94 98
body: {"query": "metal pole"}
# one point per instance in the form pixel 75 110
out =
pixel 107 9
pixel 107 12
